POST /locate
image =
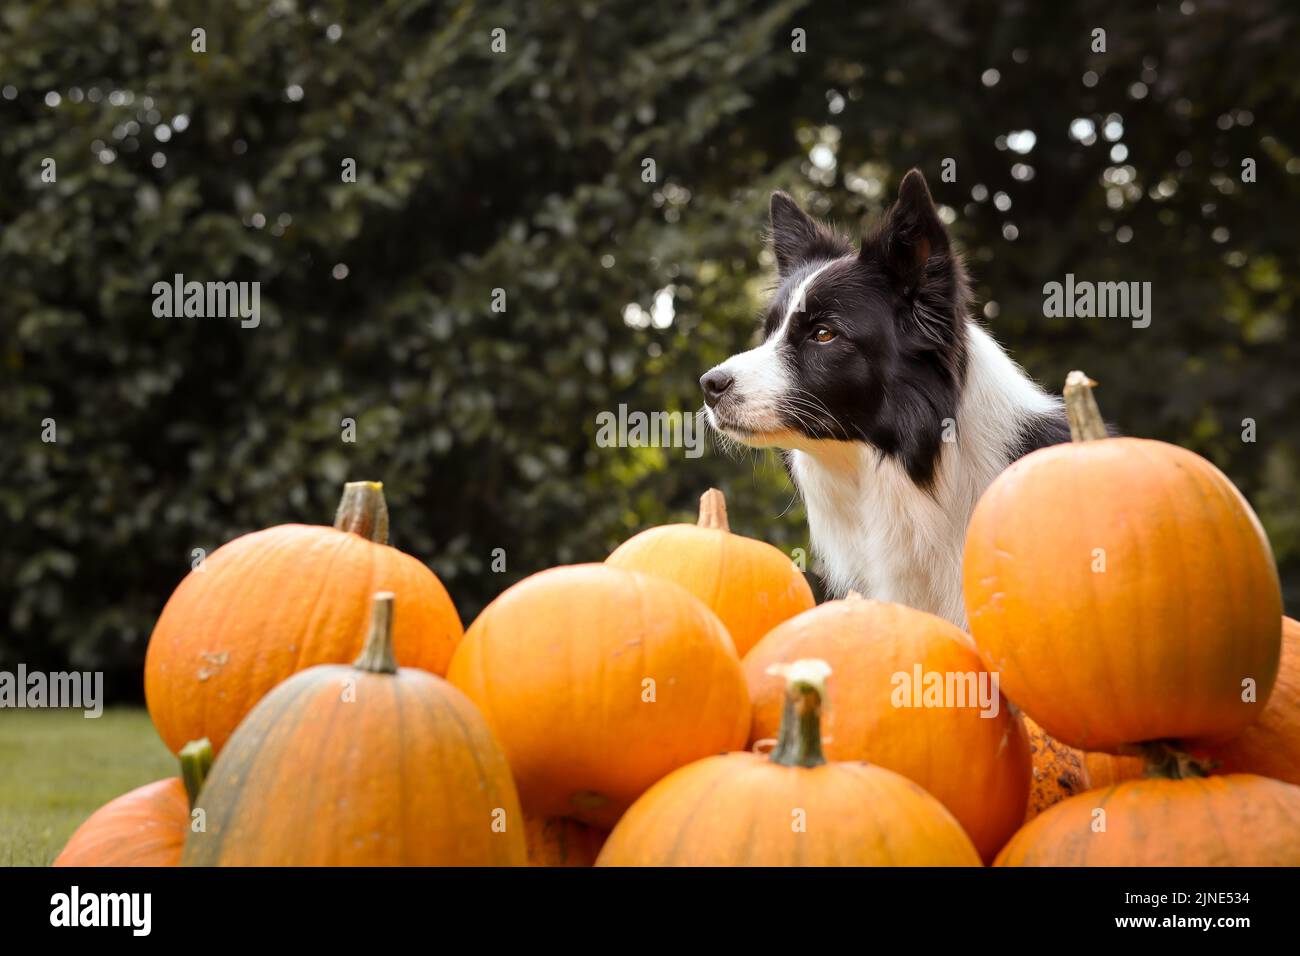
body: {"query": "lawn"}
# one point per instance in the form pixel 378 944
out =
pixel 57 767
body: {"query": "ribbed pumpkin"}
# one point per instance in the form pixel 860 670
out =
pixel 1106 770
pixel 145 827
pixel 749 584
pixel 277 601
pixel 978 767
pixel 788 808
pixel 557 841
pixel 598 681
pixel 1175 818
pixel 1123 588
pixel 1059 771
pixel 1271 745
pixel 366 765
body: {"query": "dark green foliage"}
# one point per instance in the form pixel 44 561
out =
pixel 521 170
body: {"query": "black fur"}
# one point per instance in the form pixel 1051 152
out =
pixel 798 239
pixel 1039 432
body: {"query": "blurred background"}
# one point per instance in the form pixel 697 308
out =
pixel 522 171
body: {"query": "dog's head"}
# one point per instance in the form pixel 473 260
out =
pixel 866 346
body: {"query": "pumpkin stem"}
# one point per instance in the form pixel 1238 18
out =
pixel 1165 760
pixel 363 510
pixel 1086 423
pixel 799 743
pixel 713 510
pixel 377 655
pixel 196 761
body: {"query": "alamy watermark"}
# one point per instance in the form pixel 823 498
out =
pixel 75 690
pixel 207 300
pixel 1099 300
pixel 133 911
pixel 624 429
pixel 922 688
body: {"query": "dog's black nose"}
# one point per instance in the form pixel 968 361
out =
pixel 715 385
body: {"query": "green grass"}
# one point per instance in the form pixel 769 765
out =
pixel 57 767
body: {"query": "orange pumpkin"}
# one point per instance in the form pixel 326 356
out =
pixel 599 681
pixel 1059 771
pixel 1270 746
pixel 749 584
pixel 789 808
pixel 1235 820
pixel 1123 588
pixel 886 660
pixel 145 827
pixel 557 841
pixel 1106 770
pixel 277 601
pixel 365 765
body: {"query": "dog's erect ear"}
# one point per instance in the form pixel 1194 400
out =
pixel 912 231
pixel 798 238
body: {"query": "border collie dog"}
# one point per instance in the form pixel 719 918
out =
pixel 895 407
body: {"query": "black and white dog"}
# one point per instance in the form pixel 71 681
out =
pixel 896 407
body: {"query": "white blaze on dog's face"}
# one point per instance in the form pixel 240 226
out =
pixel 762 380
pixel 858 346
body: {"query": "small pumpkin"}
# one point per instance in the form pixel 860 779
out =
pixel 366 765
pixel 885 659
pixel 1270 746
pixel 598 682
pixel 277 601
pixel 145 827
pixel 788 808
pixel 558 841
pixel 1173 817
pixel 1059 771
pixel 1123 588
pixel 749 584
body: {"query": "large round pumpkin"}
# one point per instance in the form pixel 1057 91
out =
pixel 749 584
pixel 1235 820
pixel 1124 590
pixel 788 808
pixel 277 601
pixel 366 765
pixel 145 827
pixel 1059 771
pixel 1271 745
pixel 890 667
pixel 598 682
pixel 559 841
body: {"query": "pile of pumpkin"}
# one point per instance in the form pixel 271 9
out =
pixel 685 703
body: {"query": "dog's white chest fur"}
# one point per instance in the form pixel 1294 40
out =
pixel 875 532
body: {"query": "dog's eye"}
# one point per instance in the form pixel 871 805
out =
pixel 823 334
